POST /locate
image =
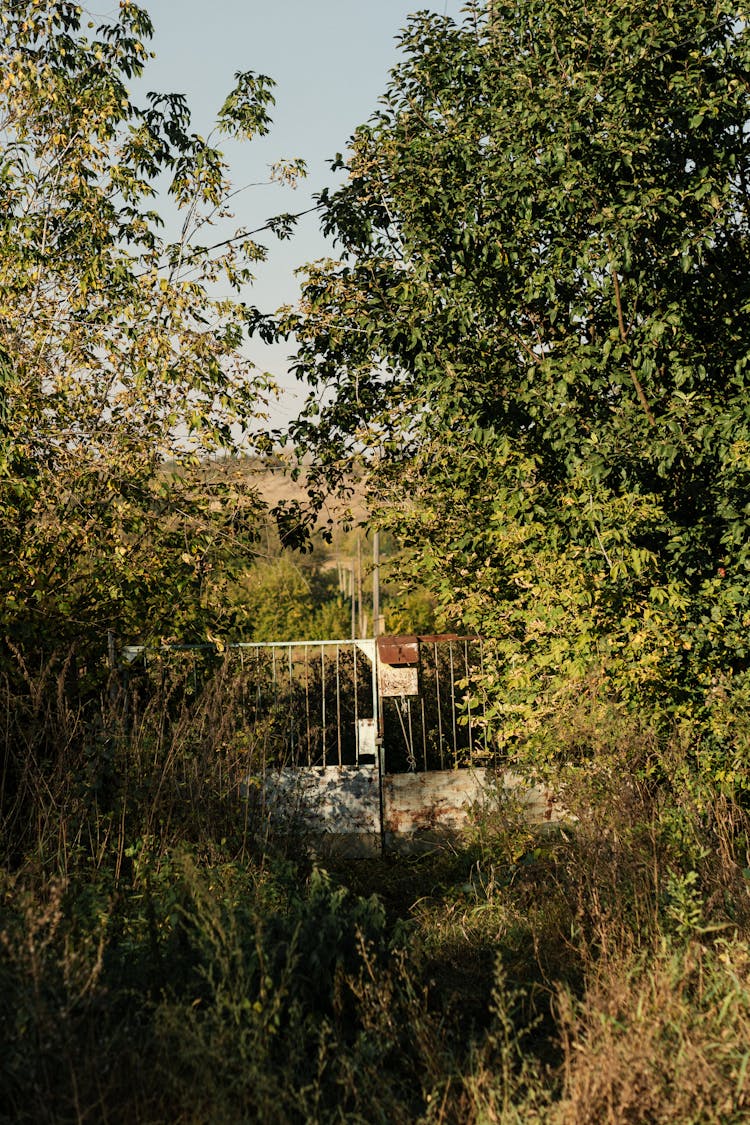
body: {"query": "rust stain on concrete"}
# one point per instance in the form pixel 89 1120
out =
pixel 420 807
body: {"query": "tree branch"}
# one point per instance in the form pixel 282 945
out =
pixel 624 337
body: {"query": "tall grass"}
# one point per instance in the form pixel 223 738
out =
pixel 165 958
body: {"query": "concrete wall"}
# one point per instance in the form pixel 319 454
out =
pixel 338 808
pixel 335 808
pixel 420 808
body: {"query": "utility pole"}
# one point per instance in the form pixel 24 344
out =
pixel 376 583
pixel 359 587
pixel 353 592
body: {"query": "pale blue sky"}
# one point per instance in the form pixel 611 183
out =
pixel 330 60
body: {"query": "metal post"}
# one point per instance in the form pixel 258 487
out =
pixel 360 623
pixel 439 715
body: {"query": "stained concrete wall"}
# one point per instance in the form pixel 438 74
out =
pixel 338 808
pixel 421 808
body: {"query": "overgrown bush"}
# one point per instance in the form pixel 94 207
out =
pixel 164 958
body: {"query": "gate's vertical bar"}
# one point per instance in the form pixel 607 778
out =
pixel 377 703
pixel 258 702
pixel 323 697
pixel 356 704
pixel 377 718
pixel 307 707
pixel 221 677
pixel 412 755
pixel 453 705
pixel 338 705
pixel 439 714
pixel 424 731
pixel 275 704
pixel 258 695
pixel 484 696
pixel 291 705
pixel 468 700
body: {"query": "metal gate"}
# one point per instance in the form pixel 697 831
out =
pixel 431 699
pixel 318 698
pixel 409 702
pixel 371 736
pixel 362 742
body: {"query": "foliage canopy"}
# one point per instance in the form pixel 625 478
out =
pixel 120 360
pixel 537 334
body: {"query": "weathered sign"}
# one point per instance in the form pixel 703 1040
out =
pixel 398 666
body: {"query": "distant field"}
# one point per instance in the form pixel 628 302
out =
pixel 275 484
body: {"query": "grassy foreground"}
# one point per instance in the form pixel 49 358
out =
pixel 164 959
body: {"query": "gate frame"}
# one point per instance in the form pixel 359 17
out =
pixel 396 653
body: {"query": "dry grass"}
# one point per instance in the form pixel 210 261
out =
pixel 660 1038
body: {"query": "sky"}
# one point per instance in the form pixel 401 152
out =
pixel 330 60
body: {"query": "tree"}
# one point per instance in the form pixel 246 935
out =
pixel 537 337
pixel 120 360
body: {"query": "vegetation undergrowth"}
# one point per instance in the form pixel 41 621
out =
pixel 165 957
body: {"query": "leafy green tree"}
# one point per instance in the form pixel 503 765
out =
pixel 274 602
pixel 120 361
pixel 412 612
pixel 537 338
pixel 279 600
